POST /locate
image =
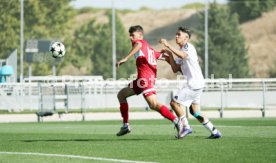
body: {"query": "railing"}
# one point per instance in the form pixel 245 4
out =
pixel 100 94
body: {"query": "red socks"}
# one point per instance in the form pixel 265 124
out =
pixel 165 112
pixel 124 111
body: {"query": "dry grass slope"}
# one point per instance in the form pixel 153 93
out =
pixel 260 34
pixel 161 24
pixel 260 37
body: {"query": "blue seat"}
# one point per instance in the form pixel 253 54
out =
pixel 5 71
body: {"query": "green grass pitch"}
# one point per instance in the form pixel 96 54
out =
pixel 243 141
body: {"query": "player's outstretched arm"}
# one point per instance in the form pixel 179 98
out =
pixel 177 52
pixel 175 67
pixel 134 50
pixel 167 56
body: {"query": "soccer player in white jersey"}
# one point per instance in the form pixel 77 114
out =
pixel 189 96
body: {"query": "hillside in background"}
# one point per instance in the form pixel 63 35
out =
pixel 161 24
pixel 260 34
pixel 260 37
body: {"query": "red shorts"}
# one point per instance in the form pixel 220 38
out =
pixel 144 86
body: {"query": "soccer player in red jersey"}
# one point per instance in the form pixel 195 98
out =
pixel 146 63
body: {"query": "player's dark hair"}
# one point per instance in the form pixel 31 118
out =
pixel 136 28
pixel 185 30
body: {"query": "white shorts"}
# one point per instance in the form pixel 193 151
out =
pixel 187 96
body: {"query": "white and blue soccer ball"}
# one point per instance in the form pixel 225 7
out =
pixel 57 49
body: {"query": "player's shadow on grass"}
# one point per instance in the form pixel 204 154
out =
pixel 93 140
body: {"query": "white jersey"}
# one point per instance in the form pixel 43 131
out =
pixel 190 67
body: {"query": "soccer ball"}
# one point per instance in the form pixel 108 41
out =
pixel 57 49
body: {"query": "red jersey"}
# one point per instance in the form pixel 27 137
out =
pixel 146 60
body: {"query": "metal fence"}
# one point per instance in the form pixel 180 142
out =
pixel 86 94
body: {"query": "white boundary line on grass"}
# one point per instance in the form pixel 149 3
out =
pixel 74 156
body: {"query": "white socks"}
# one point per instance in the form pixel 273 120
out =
pixel 175 121
pixel 209 126
pixel 185 120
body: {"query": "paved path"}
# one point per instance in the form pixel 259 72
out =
pixel 7 118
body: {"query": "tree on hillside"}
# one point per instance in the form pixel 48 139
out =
pixel 272 70
pixel 123 46
pixel 102 56
pixel 10 27
pixel 250 9
pixel 43 19
pixel 81 47
pixel 46 19
pixel 227 52
pixel 94 41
